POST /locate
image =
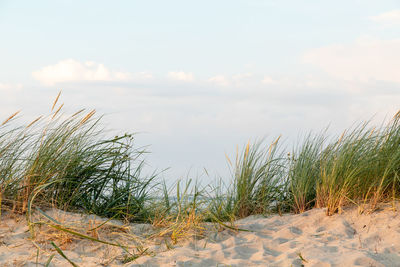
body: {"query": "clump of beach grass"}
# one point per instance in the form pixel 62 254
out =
pixel 361 166
pixel 303 172
pixel 258 185
pixel 66 162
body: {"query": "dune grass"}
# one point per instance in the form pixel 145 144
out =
pixel 258 183
pixel 303 172
pixel 360 167
pixel 66 162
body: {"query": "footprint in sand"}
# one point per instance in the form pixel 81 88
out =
pixel 349 230
pixel 270 252
pixel 295 230
pixel 244 252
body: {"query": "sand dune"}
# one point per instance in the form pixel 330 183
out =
pixel 309 239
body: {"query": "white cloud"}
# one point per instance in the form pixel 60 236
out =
pixel 366 60
pixel 141 76
pixel 237 80
pixel 242 78
pixel 10 87
pixel 219 80
pixel 387 18
pixel 71 70
pixel 180 76
pixel 268 80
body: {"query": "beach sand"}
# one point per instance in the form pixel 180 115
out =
pixel 307 239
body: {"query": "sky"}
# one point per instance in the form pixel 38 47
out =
pixel 196 78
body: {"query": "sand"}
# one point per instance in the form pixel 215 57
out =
pixel 307 239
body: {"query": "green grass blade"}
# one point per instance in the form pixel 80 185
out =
pixel 82 235
pixel 62 254
pixel 49 260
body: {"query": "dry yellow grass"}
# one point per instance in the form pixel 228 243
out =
pixel 10 118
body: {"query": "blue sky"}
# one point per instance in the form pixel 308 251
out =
pixel 197 78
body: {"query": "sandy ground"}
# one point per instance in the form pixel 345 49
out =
pixel 308 239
